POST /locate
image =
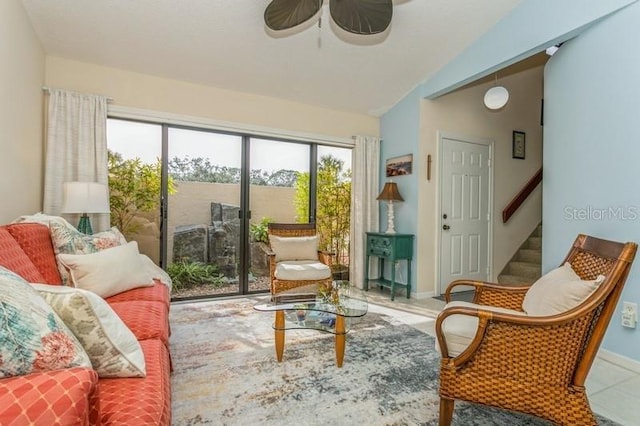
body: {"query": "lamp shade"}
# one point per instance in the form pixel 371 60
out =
pixel 85 197
pixel 390 193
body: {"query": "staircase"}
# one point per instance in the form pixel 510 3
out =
pixel 526 265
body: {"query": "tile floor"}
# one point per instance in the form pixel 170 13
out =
pixel 614 391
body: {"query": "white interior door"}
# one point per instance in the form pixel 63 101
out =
pixel 464 211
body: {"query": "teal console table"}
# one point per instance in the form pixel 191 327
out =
pixel 391 248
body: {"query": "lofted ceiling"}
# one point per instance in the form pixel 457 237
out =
pixel 225 43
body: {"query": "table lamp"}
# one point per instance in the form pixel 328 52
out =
pixel 390 193
pixel 83 198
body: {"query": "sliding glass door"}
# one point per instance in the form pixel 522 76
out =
pixel 333 206
pixel 279 192
pixel 203 231
pixel 198 201
pixel 135 152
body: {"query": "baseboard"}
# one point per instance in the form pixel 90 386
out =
pixel 423 295
pixel 619 360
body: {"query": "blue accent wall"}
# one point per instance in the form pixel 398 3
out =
pixel 400 133
pixel 592 150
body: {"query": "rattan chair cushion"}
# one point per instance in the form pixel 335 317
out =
pixel 299 270
pixel 558 291
pixel 294 248
pixel 459 330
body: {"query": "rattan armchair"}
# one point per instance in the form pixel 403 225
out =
pixel 295 230
pixel 535 365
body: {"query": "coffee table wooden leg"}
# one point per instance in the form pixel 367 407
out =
pixel 279 331
pixel 340 340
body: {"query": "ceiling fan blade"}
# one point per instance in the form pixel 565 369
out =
pixel 362 16
pixel 284 14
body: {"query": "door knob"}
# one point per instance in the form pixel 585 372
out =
pixel 446 227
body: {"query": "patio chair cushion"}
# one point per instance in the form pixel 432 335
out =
pixel 558 291
pixel 459 330
pixel 294 248
pixel 302 270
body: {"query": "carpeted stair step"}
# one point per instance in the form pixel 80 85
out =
pixel 526 265
pixel 534 243
pixel 537 232
pixel 525 270
pixel 513 280
pixel 529 255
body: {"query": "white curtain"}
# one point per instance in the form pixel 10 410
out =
pixel 364 207
pixel 76 148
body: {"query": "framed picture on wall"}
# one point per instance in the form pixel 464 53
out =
pixel 399 166
pixel 518 148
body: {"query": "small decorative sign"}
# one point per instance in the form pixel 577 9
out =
pixel 400 166
pixel 518 148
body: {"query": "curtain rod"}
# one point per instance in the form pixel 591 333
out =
pixel 48 90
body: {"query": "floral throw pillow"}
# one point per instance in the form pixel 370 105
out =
pixel 32 337
pixel 112 347
pixel 70 241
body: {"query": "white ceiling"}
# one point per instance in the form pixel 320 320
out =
pixel 224 43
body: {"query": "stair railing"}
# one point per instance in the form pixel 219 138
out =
pixel 520 198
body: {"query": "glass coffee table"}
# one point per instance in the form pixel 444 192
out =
pixel 319 308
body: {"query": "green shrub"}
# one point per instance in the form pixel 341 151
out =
pixel 259 232
pixel 186 274
pixel 134 188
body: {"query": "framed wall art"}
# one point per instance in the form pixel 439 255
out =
pixel 518 148
pixel 399 166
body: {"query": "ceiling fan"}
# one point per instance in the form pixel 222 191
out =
pixel 364 17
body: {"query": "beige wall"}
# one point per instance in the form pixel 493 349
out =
pixel 462 113
pixel 22 69
pixel 178 97
pixel 191 203
pixel 166 96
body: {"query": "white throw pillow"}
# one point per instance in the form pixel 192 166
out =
pixel 156 272
pixel 32 336
pixel 111 346
pixel 294 248
pixel 109 271
pixel 68 240
pixel 558 291
pixel 45 220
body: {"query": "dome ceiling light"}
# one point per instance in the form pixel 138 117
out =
pixel 496 97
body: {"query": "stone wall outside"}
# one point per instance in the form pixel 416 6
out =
pixel 191 204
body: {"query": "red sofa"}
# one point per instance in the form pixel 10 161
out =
pixel 76 396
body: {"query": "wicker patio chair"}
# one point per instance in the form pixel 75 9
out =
pixel 319 265
pixel 535 365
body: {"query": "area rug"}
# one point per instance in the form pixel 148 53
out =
pixel 225 373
